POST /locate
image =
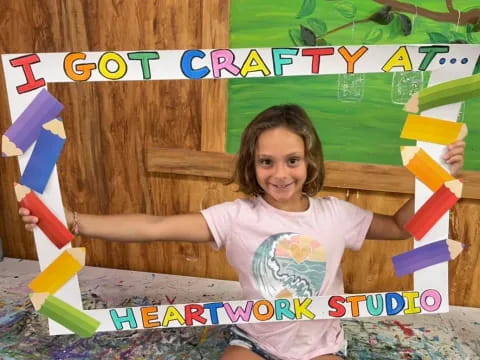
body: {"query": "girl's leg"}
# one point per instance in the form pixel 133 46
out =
pixel 233 352
pixel 328 357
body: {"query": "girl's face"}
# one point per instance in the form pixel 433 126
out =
pixel 281 168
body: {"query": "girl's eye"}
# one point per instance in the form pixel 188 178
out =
pixel 293 161
pixel 265 162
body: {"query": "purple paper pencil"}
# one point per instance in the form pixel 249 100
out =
pixel 24 131
pixel 428 255
pixel 44 156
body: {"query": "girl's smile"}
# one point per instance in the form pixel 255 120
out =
pixel 281 168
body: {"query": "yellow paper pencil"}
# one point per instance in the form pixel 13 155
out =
pixel 62 269
pixel 433 130
pixel 65 314
pixel 445 93
pixel 424 167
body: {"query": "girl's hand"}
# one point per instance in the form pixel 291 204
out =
pixel 455 155
pixel 29 220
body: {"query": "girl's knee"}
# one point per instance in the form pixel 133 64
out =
pixel 233 352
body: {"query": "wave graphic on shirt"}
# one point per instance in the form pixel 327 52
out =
pixel 289 264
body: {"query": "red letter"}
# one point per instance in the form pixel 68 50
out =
pixel 193 312
pixel 26 63
pixel 334 302
pixel 316 53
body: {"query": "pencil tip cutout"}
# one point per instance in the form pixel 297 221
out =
pixel 55 126
pixel 78 254
pixel 455 248
pixel 455 186
pixel 38 299
pixel 408 153
pixel 9 148
pixel 21 191
pixel 463 132
pixel 412 104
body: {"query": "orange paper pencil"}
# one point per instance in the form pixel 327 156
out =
pixel 433 130
pixel 424 167
pixel 434 208
pixel 47 221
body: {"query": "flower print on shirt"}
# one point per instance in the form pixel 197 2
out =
pixel 289 265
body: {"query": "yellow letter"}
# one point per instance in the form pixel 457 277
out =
pixel 301 308
pixel 172 314
pixel 400 58
pixel 254 62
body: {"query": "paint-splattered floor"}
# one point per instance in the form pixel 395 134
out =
pixel 23 333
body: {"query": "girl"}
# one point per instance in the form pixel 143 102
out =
pixel 281 240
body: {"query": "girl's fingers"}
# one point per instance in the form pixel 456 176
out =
pixel 30 219
pixel 30 227
pixel 23 211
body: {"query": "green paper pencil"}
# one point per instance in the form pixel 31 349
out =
pixel 65 314
pixel 445 93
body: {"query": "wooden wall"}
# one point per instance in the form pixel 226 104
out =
pixel 111 127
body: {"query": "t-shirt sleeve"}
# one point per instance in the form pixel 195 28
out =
pixel 220 221
pixel 355 222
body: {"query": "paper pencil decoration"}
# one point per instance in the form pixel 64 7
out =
pixel 47 221
pixel 445 93
pixel 62 269
pixel 424 256
pixel 65 314
pixel 44 156
pixel 433 130
pixel 24 131
pixel 433 209
pixel 424 167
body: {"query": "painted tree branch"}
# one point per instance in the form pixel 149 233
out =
pixel 453 16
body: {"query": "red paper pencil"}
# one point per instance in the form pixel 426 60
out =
pixel 47 221
pixel 434 208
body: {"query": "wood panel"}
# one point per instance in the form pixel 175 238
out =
pixel 345 175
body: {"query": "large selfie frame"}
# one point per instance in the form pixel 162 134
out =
pixel 27 74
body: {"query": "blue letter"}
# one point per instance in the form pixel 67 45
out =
pixel 186 64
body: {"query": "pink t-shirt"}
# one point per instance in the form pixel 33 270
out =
pixel 278 253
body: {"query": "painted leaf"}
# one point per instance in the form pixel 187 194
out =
pixel 307 8
pixel 373 36
pixel 346 8
pixel 308 36
pixel 383 16
pixel 295 37
pixel 471 37
pixel 438 38
pixel 405 24
pixel 318 26
pixel 395 28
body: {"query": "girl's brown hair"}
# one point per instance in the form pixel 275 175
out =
pixel 294 118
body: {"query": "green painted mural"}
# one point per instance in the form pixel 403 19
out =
pixel 360 122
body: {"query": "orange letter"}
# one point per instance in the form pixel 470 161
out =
pixel 82 72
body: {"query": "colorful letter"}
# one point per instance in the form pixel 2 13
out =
pixel 256 310
pixel 400 58
pixel 430 53
pixel 119 320
pixel 282 307
pixel 144 57
pixel 147 318
pixel 400 303
pixel 335 302
pixel 212 307
pixel 279 61
pixel 186 65
pixel 301 308
pixel 172 314
pixel 253 63
pixel 223 59
pixel 412 308
pixel 437 300
pixel 375 310
pixel 193 312
pixel 316 53
pixel 354 304
pixel 239 312
pixel 116 58
pixel 26 63
pixel 351 59
pixel 82 72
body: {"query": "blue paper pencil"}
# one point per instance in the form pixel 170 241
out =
pixel 24 131
pixel 428 255
pixel 44 156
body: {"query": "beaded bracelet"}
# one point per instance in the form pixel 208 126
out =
pixel 75 226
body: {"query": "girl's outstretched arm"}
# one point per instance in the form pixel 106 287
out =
pixel 135 227
pixel 391 227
